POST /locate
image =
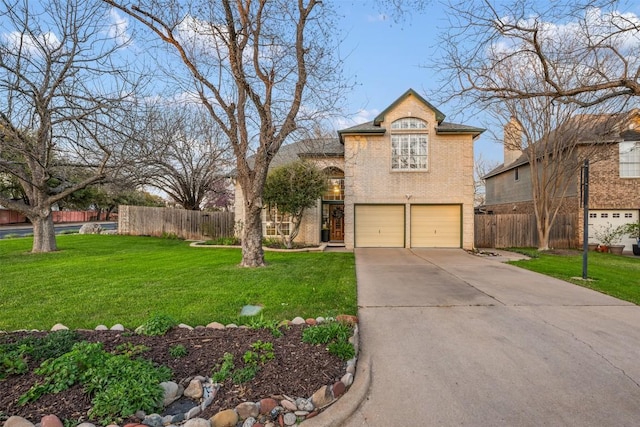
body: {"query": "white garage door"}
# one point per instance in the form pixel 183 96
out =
pixel 600 219
pixel 436 226
pixel 379 226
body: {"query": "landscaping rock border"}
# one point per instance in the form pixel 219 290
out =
pixel 268 412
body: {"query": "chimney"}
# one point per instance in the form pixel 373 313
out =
pixel 512 141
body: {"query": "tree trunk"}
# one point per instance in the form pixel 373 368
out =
pixel 252 252
pixel 44 236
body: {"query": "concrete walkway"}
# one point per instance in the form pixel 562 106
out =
pixel 457 339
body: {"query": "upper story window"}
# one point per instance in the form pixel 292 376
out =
pixel 409 142
pixel 335 185
pixel 629 159
pixel 409 123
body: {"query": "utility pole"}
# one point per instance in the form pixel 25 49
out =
pixel 584 193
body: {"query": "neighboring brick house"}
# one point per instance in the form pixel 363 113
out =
pixel 614 172
pixel 403 180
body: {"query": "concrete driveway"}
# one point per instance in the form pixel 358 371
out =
pixel 456 339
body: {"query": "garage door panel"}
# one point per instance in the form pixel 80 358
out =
pixel 379 226
pixel 600 219
pixel 435 226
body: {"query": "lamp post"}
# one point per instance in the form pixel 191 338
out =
pixel 584 193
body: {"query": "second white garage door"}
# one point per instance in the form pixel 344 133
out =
pixel 379 226
pixel 435 226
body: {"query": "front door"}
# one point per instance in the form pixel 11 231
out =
pixel 336 222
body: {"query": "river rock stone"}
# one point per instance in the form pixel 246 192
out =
pixel 226 418
pixel 117 327
pixel 347 319
pixel 215 325
pixel 86 425
pixel 338 389
pixel 170 392
pixel 59 327
pixel 194 390
pixel 289 419
pixel 197 422
pixel 322 397
pixel 101 328
pixel 90 228
pixel 249 422
pixel 347 379
pixel 50 421
pixel 153 420
pixel 247 410
pixel 16 421
pixel 266 405
pixel 298 321
pixel 193 412
pixel 289 405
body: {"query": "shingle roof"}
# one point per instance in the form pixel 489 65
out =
pixel 589 129
pixel 447 127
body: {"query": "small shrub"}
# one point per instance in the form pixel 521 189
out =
pixel 335 334
pixel 177 351
pixel 344 350
pixel 14 356
pixel 119 385
pixel 157 325
pixel 326 332
pixel 254 359
pixel 170 236
pixel 224 370
pixel 128 349
pixel 245 374
pixel 224 241
pixel 262 323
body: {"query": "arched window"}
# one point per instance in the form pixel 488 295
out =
pixel 335 184
pixel 409 144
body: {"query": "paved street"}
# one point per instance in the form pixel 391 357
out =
pixel 456 339
pixel 23 229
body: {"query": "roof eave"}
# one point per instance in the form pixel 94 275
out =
pixel 380 131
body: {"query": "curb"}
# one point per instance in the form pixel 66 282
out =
pixel 343 408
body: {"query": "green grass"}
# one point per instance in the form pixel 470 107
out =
pixel 615 275
pixel 98 279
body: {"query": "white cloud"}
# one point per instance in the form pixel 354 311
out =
pixel 34 46
pixel 118 27
pixel 362 116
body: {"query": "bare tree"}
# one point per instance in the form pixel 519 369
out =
pixel 260 68
pixel 549 70
pixel 62 103
pixel 587 52
pixel 481 167
pixel 185 155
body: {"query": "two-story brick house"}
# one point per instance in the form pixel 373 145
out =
pixel 614 184
pixel 403 180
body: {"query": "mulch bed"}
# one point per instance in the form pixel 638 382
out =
pixel 298 370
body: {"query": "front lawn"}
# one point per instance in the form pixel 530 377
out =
pixel 615 275
pixel 103 279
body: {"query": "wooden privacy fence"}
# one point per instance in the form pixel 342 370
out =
pixel 519 230
pixel 192 225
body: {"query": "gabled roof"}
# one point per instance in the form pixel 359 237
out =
pixel 442 127
pixel 380 118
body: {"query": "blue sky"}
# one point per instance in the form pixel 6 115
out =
pixel 386 58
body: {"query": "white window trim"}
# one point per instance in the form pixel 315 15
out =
pixel 630 153
pixel 409 145
pixel 269 223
